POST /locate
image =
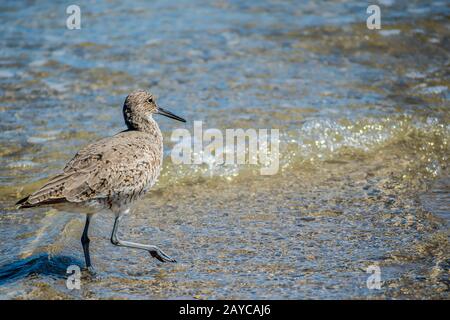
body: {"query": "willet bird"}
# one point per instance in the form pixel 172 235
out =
pixel 111 173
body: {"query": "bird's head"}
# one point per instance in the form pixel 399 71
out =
pixel 141 105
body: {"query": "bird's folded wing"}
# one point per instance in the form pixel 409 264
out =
pixel 99 170
pixel 73 186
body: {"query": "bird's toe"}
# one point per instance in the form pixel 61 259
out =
pixel 161 256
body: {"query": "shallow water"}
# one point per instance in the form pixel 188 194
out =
pixel 364 127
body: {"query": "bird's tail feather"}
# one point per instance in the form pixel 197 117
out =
pixel 23 203
pixel 50 193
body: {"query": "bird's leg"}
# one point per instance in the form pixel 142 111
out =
pixel 85 242
pixel 153 250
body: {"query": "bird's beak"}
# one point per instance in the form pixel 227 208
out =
pixel 169 114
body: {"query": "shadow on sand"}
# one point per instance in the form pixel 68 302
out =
pixel 42 264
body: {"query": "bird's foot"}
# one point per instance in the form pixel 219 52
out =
pixel 89 274
pixel 161 256
pixel 92 270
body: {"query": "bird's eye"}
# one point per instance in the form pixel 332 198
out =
pixel 150 100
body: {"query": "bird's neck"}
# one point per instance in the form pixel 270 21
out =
pixel 146 125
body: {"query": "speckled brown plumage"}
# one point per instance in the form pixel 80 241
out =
pixel 111 173
pixel 114 171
